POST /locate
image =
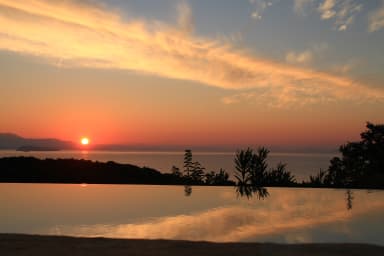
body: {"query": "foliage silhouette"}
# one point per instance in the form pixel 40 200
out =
pixel 194 173
pixel 349 199
pixel 279 176
pixel 187 190
pixel 252 174
pixel 220 178
pixel 243 166
pixel 259 167
pixel 197 173
pixel 175 171
pixel 318 180
pixel 250 190
pixel 361 164
pixel 188 165
pixel 210 178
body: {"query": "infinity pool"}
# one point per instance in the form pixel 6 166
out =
pixel 287 215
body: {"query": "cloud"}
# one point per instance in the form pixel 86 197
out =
pixel 289 97
pixel 185 19
pixel 326 9
pixel 299 57
pixel 301 6
pixel 260 6
pixel 342 12
pixel 241 97
pixel 376 19
pixel 346 67
pixel 282 216
pixel 306 56
pixel 82 35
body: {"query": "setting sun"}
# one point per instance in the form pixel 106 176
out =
pixel 84 141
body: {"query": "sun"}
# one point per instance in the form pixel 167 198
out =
pixel 84 141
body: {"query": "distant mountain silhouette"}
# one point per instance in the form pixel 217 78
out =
pixel 16 142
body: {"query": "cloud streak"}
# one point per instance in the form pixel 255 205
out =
pixel 343 12
pixel 299 57
pixel 376 19
pixel 185 18
pixel 281 215
pixel 306 56
pixel 84 35
pixel 260 6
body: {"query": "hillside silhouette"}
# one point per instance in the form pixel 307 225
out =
pixel 30 169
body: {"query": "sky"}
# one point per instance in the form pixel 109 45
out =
pixel 305 73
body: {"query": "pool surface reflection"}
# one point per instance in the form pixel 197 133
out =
pixel 287 215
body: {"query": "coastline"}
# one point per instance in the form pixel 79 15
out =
pixel 22 244
pixel 29 169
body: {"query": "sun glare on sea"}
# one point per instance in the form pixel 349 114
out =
pixel 84 141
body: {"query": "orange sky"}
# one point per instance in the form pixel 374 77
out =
pixel 80 69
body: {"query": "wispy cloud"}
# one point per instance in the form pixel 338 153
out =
pixel 342 12
pixel 259 7
pixel 241 97
pixel 185 19
pixel 83 35
pixel 278 216
pixel 326 9
pixel 299 57
pixel 346 67
pixel 376 19
pixel 306 56
pixel 301 6
pixel 288 97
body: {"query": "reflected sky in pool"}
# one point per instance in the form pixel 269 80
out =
pixel 287 215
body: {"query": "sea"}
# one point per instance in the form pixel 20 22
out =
pixel 301 165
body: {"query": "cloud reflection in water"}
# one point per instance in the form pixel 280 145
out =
pixel 246 220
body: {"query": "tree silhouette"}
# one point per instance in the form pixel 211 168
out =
pixel 175 171
pixel 259 167
pixel 362 163
pixel 222 177
pixel 187 190
pixel 210 178
pixel 188 165
pixel 349 199
pixel 194 173
pixel 219 178
pixel 318 179
pixel 279 176
pixel 244 162
pixel 197 172
pixel 250 172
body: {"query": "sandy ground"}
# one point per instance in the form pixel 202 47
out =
pixel 12 244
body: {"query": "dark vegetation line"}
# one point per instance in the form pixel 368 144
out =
pixel 361 166
pixel 30 169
